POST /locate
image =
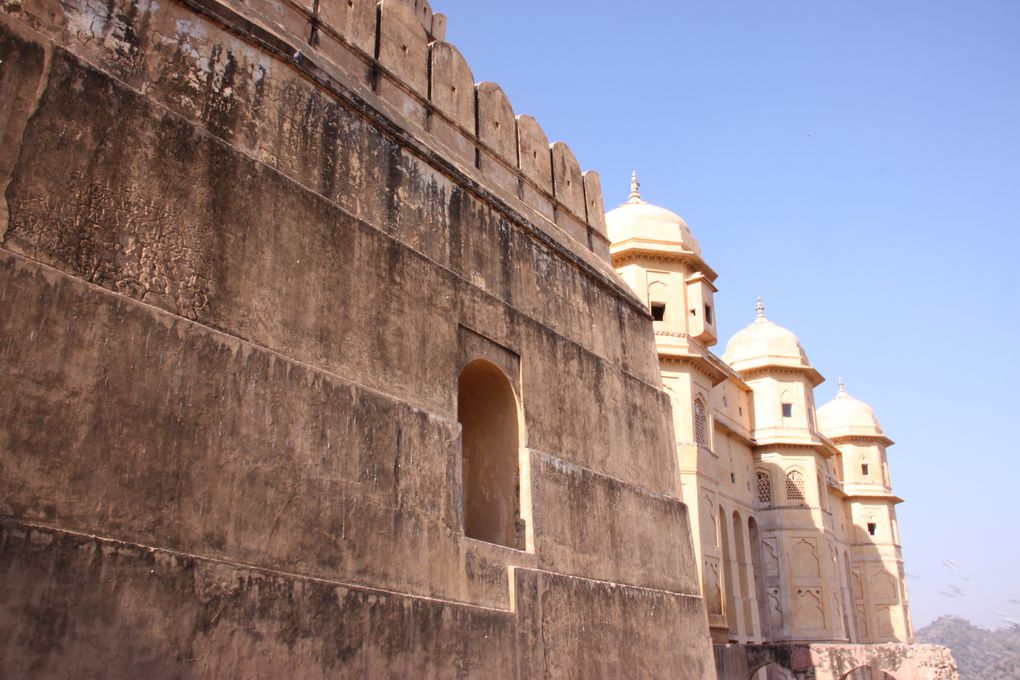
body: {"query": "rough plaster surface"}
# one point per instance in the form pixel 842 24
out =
pixel 234 303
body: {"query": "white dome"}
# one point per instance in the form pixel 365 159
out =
pixel 637 219
pixel 845 416
pixel 763 343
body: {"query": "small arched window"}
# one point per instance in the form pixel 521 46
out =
pixel 700 423
pixel 795 486
pixel 658 297
pixel 487 411
pixel 871 524
pixel 764 489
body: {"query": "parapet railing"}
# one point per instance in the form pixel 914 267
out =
pixel 396 48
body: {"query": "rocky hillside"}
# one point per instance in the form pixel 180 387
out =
pixel 980 654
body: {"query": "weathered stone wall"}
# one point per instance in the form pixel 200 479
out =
pixel 122 611
pixel 245 250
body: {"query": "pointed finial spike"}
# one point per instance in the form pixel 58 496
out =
pixel 842 385
pixel 635 188
pixel 759 309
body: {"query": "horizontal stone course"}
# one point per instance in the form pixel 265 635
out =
pixel 124 610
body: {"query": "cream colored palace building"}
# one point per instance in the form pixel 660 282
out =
pixel 792 512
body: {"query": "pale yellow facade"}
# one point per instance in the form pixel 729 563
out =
pixel 791 506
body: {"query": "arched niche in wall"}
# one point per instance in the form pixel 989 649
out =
pixel 868 673
pixel 490 443
pixel 771 671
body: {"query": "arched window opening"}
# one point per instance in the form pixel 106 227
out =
pixel 795 486
pixel 658 297
pixel 700 423
pixel 771 671
pixel 728 577
pixel 487 411
pixel 786 402
pixel 867 673
pixel 764 489
pixel 758 575
pixel 743 577
pixel 850 599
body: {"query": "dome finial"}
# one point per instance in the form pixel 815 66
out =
pixel 842 385
pixel 759 309
pixel 635 188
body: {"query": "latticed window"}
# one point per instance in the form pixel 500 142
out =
pixel 795 486
pixel 700 424
pixel 764 489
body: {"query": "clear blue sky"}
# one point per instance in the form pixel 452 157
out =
pixel 855 163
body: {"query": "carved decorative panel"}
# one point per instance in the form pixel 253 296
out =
pixel 713 589
pixel 862 621
pixel 770 556
pixel 884 620
pixel 884 587
pixel 775 609
pixel 805 558
pixel 809 609
pixel 709 530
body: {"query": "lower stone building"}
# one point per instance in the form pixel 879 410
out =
pixel 792 509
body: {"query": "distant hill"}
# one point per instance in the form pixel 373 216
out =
pixel 980 654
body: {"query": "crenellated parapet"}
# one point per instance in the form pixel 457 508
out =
pixel 396 49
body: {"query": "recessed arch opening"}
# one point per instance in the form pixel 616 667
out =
pixel 758 574
pixel 743 578
pixel 770 671
pixel 868 673
pixel 490 448
pixel 730 608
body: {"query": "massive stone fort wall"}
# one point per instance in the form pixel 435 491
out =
pixel 315 365
pixel 249 252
